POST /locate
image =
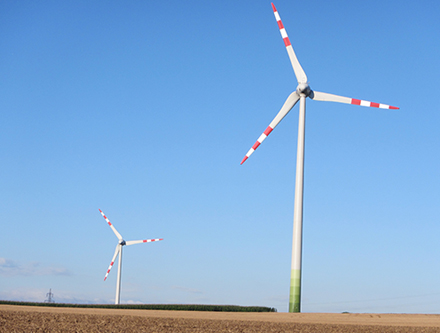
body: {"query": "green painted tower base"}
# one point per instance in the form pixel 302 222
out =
pixel 295 291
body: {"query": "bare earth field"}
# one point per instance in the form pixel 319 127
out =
pixel 45 319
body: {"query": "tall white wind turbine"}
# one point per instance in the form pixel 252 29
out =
pixel 118 250
pixel 300 94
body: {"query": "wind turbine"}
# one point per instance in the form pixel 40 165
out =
pixel 118 250
pixel 300 94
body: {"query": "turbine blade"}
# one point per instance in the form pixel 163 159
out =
pixel 320 96
pixel 288 105
pixel 113 261
pixel 111 226
pixel 299 72
pixel 143 241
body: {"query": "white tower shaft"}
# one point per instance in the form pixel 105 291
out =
pixel 295 276
pixel 118 281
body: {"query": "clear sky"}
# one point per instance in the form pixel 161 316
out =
pixel 145 110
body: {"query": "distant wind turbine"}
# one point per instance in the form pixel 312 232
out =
pixel 118 250
pixel 300 94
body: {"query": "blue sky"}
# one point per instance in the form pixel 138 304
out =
pixel 146 109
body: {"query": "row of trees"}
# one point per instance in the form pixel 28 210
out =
pixel 173 307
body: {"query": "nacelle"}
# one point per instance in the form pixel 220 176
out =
pixel 303 88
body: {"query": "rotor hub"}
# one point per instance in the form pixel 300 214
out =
pixel 303 88
pixel 122 242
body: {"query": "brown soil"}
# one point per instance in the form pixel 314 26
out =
pixel 45 319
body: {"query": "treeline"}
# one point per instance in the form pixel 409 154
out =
pixel 173 307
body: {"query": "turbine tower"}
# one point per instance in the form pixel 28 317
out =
pixel 300 94
pixel 118 250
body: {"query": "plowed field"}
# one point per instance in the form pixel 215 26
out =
pixel 45 319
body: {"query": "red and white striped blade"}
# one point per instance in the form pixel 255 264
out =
pixel 288 105
pixel 299 72
pixel 111 226
pixel 143 241
pixel 113 261
pixel 320 96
